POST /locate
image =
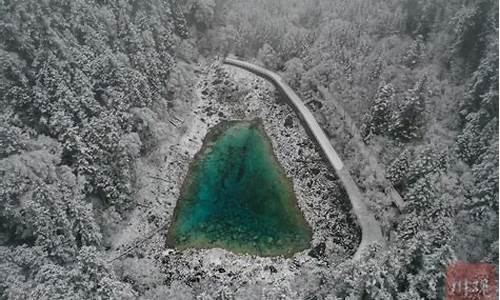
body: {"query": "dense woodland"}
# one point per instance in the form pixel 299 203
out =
pixel 77 78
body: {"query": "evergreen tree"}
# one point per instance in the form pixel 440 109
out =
pixel 420 16
pixel 267 55
pixel 203 12
pixel 12 137
pixel 485 173
pixel 480 109
pixel 475 136
pixel 473 24
pixel 377 120
pixel 180 23
pixel 426 161
pixel 397 171
pixel 407 121
pixel 294 69
pixel 376 69
pixel 415 52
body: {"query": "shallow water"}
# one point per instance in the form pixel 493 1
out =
pixel 237 197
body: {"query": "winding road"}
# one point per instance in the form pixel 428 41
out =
pixel 370 228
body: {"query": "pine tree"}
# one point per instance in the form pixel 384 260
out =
pixel 485 173
pixel 203 11
pixel 407 121
pixel 421 16
pixel 376 69
pixel 11 136
pixel 472 24
pixel 480 109
pixel 475 136
pixel 482 87
pixel 180 23
pixel 267 55
pixel 415 52
pixel 427 161
pixel 377 120
pixel 294 68
pixel 421 195
pixel 397 171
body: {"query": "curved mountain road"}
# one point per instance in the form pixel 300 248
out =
pixel 370 228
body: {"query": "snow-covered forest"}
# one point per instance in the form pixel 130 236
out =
pixel 96 98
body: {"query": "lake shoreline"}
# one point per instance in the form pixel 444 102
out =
pixel 213 135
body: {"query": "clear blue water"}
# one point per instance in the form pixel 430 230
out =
pixel 236 196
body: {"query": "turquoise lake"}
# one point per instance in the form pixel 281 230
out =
pixel 236 196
